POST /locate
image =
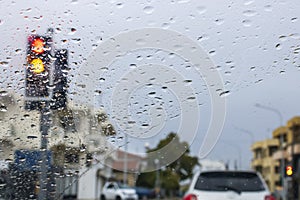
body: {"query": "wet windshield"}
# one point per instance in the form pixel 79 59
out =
pixel 147 93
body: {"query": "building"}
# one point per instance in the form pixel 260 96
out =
pixel 76 139
pixel 283 147
pixel 134 164
pixel 263 162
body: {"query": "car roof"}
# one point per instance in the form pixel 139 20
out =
pixel 229 171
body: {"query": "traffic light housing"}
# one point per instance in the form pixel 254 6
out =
pixel 60 82
pixel 38 67
pixel 289 170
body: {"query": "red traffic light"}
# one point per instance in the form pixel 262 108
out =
pixel 289 170
pixel 37 45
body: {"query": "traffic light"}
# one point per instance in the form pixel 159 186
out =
pixel 38 67
pixel 60 82
pixel 289 170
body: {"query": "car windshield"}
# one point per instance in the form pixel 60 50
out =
pixel 146 93
pixel 229 181
pixel 124 186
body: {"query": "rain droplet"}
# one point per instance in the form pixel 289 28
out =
pixel 74 1
pixel 295 36
pixel 76 40
pixel 148 10
pixel 151 94
pixel 98 92
pixel 268 8
pixel 165 25
pixel 248 2
pixel 18 51
pixel 120 5
pixel 98 39
pixel 73 31
pixel 3 93
pixel 219 21
pixel 38 17
pixel 4 63
pixel 201 9
pixel 249 13
pixel 282 38
pixel 3 108
pixel 132 66
pixel 191 98
pixel 294 19
pixel 278 47
pixel 57 30
pixel 203 37
pixel 246 23
pixel 212 52
pixel 183 1
pixel 140 41
pixel 1 21
pixel 224 93
pixel 259 81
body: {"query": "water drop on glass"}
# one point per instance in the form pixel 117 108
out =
pixel 148 10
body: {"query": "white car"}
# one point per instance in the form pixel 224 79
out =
pixel 228 185
pixel 115 191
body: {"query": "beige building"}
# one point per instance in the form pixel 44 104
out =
pixel 268 154
pixel 263 161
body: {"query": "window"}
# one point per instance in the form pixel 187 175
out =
pixel 223 181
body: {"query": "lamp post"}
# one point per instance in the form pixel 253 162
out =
pixel 238 150
pixel 125 160
pixel 246 131
pixel 281 145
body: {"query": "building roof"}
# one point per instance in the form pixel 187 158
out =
pixel 134 161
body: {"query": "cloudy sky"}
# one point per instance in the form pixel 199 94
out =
pixel 254 46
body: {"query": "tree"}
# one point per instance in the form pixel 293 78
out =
pixel 173 173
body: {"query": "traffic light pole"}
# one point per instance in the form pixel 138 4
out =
pixel 45 121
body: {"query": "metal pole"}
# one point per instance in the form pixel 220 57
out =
pixel 125 160
pixel 157 179
pixel 44 127
pixel 239 153
pixel 246 131
pixel 281 146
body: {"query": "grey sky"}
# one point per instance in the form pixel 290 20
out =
pixel 254 43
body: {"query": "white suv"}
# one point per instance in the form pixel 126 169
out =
pixel 115 191
pixel 228 185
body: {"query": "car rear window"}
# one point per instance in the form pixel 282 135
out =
pixel 229 181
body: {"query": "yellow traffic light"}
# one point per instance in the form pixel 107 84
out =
pixel 37 66
pixel 289 170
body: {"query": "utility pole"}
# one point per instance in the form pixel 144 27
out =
pixel 40 95
pixel 125 160
pixel 44 128
pixel 157 180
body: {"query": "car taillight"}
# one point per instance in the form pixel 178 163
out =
pixel 190 197
pixel 270 197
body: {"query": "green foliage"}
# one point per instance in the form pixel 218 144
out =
pixel 146 180
pixel 172 174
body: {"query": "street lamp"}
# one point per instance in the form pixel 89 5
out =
pixel 238 150
pixel 281 143
pixel 246 131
